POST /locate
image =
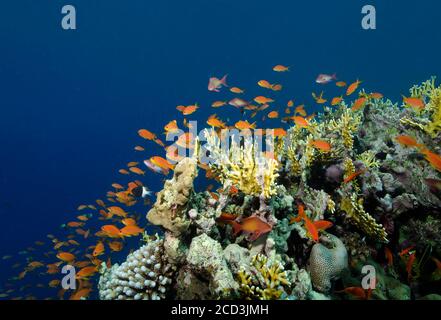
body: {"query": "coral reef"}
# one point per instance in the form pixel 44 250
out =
pixel 335 193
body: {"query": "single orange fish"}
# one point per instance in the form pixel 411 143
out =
pixel 146 134
pixel 353 87
pixel 276 87
pixel 354 175
pixel 312 229
pixel 116 246
pixel 244 125
pixel 376 96
pixel 340 84
pixel 188 109
pixel 300 121
pixel 215 122
pixel 218 104
pixel 162 163
pixel 416 103
pixel 359 103
pixel 99 249
pixel 336 100
pixel 407 141
pixel 236 90
pixel 290 103
pixel 280 68
pixel 65 256
pixel 321 145
pixel 433 158
pixel 111 231
pixel 273 115
pixel 253 225
pixel 265 84
pixel 86 272
pixel 139 148
pixel 137 170
pixel 129 231
pixel 263 100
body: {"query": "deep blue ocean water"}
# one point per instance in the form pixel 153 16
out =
pixel 72 101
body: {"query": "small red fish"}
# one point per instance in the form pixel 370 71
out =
pixel 354 175
pixel 253 225
pixel 409 265
pixel 389 256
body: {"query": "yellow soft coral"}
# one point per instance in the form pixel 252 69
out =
pixel 354 210
pixel 264 281
pixel 240 166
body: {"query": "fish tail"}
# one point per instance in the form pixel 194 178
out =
pixel 334 76
pixel 224 80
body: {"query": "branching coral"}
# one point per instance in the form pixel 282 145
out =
pixel 249 171
pixel 145 275
pixel 354 210
pixel 265 280
pixel 347 125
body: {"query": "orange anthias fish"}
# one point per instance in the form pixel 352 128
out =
pixel 253 225
pixel 276 87
pixel 162 163
pixel 146 134
pixel 265 84
pixel 416 103
pixel 301 215
pixel 99 249
pixel 218 104
pixel 139 148
pixel 340 84
pixel 236 90
pixel 244 125
pixel 321 145
pixel 290 103
pixel 117 211
pixel 354 175
pixel 353 87
pixel 116 246
pixel 66 256
pixel 111 231
pixel 214 121
pixel 273 115
pixel 312 229
pixel 263 100
pixel 129 231
pixel 336 100
pixel 359 103
pixel 280 68
pixel 137 170
pixel 86 272
pixel 171 127
pixel 433 158
pixel 300 121
pixel 407 141
pixel 376 95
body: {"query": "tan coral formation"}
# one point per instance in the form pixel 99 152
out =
pixel 169 211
